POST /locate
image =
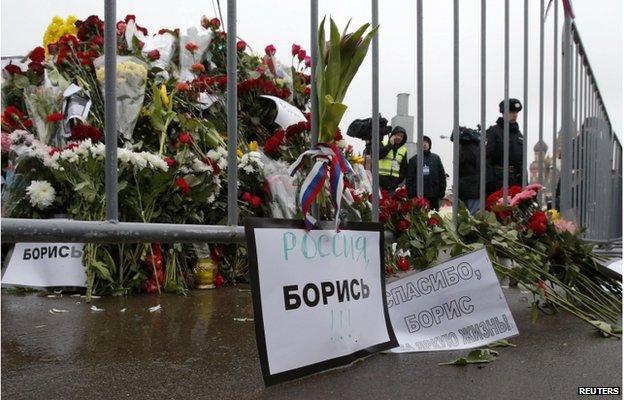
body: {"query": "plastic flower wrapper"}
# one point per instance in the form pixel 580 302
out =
pixel 192 49
pixel 131 82
pixel 43 103
pixel 281 187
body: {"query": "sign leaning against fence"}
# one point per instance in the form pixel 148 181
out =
pixel 458 304
pixel 318 296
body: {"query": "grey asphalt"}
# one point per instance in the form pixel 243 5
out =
pixel 195 348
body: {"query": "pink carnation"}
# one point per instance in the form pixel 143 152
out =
pixel 527 194
pixel 565 226
pixel 509 200
pixel 534 186
pixel 6 142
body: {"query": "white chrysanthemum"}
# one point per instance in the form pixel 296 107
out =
pixel 98 150
pixel 200 166
pixel 139 160
pixel 124 155
pixel 41 194
pixel 249 169
pixel 211 199
pixel 51 162
pixel 154 161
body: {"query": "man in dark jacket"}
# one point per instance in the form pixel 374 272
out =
pixel 495 148
pixel 434 177
pixel 469 177
pixel 393 159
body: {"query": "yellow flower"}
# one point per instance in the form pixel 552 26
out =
pixel 553 215
pixel 163 95
pixel 253 146
pixel 59 28
pixel 239 153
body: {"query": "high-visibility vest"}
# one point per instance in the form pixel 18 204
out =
pixel 385 164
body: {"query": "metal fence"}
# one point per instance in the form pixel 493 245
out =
pixel 591 154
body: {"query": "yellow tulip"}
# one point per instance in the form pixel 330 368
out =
pixel 253 146
pixel 239 152
pixel 164 97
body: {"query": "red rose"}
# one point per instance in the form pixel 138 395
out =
pixel 37 54
pixel 538 222
pixel 171 162
pixel 215 23
pixel 270 50
pixel 420 202
pixel 273 143
pixel 198 68
pixel 83 132
pixel 433 221
pixel 406 207
pixel 246 197
pixel 98 41
pixel 160 276
pixel 403 263
pixel 256 201
pixel 390 205
pixel 53 150
pixel 401 193
pixel 183 185
pixel 153 55
pixel 403 225
pixel 301 55
pixel 384 216
pixel 218 280
pixel 307 61
pixel 182 87
pixel 55 117
pixel 192 47
pixel 185 138
pixel 13 69
pixel 14 118
pixel 36 67
pixel 149 286
pixel 295 49
pixel 204 22
pixel 241 45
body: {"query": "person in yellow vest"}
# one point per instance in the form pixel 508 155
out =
pixel 393 159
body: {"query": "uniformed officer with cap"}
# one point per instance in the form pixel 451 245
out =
pixel 495 147
pixel 393 159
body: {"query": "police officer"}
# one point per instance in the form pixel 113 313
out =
pixel 495 148
pixel 393 159
pixel 434 177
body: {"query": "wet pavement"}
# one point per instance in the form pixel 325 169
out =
pixel 203 346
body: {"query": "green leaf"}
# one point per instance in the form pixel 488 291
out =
pixel 605 329
pixel 101 270
pixel 534 311
pixel 479 356
pixel 501 343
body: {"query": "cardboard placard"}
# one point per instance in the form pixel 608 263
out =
pixel 318 296
pixel 46 265
pixel 458 304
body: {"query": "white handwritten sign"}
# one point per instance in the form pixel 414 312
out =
pixel 287 114
pixel 318 296
pixel 456 305
pixel 46 265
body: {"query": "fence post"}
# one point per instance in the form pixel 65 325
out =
pixel 567 125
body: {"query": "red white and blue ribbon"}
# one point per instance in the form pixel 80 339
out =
pixel 328 159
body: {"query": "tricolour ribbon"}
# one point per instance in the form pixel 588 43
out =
pixel 327 160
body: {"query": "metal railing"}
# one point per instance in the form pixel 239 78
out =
pixel 591 186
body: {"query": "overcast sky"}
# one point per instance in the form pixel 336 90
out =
pixel 282 23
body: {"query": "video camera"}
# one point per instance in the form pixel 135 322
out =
pixel 363 128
